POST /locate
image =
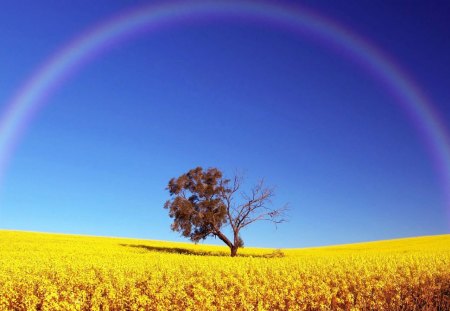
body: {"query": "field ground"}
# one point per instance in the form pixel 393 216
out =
pixel 66 272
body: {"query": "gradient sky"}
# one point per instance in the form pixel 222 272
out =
pixel 232 95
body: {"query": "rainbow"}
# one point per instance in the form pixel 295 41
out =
pixel 32 95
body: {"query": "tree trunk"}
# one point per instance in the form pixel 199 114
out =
pixel 234 247
pixel 234 250
pixel 221 236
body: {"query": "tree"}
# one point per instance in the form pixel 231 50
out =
pixel 203 202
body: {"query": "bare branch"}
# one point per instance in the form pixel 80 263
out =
pixel 275 216
pixel 256 206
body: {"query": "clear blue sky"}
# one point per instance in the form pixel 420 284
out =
pixel 231 95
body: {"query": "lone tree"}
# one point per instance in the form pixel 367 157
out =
pixel 202 202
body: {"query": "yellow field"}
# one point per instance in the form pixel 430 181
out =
pixel 65 272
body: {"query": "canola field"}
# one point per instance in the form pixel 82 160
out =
pixel 66 272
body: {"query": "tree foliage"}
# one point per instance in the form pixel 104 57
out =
pixel 202 202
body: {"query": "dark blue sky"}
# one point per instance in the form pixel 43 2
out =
pixel 233 95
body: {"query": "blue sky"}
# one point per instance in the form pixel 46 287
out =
pixel 231 95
